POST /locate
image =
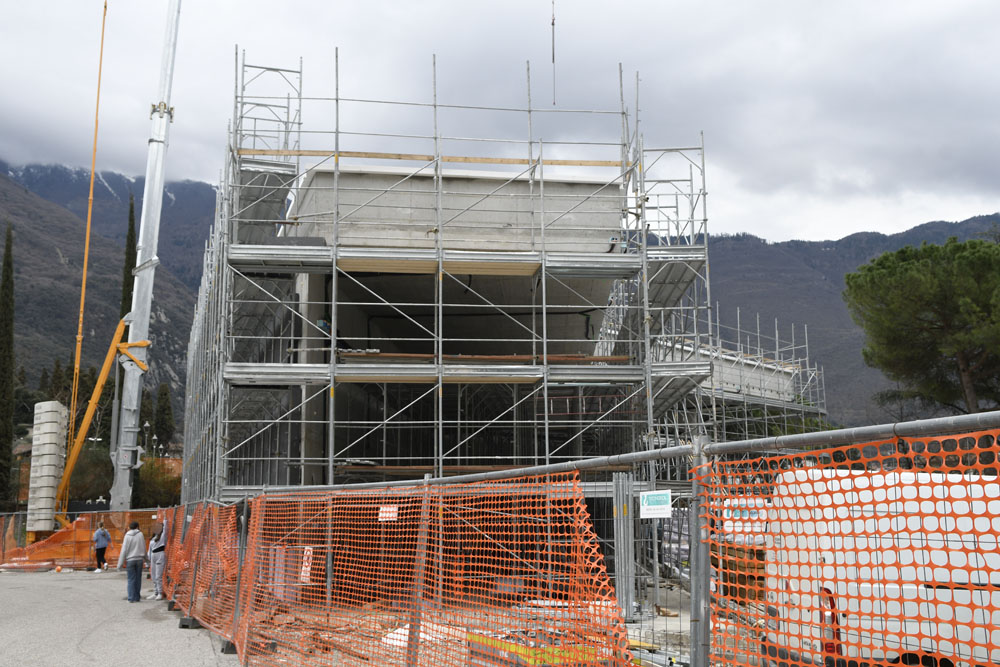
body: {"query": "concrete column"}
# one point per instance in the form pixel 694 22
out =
pixel 312 291
pixel 48 455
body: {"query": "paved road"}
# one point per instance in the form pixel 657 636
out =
pixel 82 618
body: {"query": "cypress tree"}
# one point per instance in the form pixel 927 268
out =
pixel 164 423
pixel 67 385
pixel 128 282
pixel 129 266
pixel 146 414
pixel 6 367
pixel 103 416
pixel 88 380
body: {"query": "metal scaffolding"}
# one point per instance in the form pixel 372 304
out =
pixel 763 384
pixel 400 294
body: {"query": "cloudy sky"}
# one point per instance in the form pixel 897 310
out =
pixel 820 118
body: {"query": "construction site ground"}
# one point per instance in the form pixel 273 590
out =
pixel 665 628
pixel 78 617
pixel 81 617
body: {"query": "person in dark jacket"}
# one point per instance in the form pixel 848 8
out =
pixel 102 540
pixel 133 555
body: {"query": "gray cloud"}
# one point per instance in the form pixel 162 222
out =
pixel 847 112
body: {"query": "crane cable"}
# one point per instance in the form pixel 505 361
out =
pixel 86 245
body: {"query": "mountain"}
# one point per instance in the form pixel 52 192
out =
pixel 797 282
pixel 48 260
pixel 185 218
pixel 801 282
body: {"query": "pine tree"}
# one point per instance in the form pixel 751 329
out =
pixel 931 317
pixel 164 423
pixel 43 383
pixel 6 367
pixel 57 384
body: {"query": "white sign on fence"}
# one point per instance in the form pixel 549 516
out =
pixel 307 562
pixel 655 504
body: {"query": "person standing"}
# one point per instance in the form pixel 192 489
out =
pixel 133 554
pixel 102 540
pixel 157 557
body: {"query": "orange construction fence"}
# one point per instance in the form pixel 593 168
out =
pixel 490 573
pixel 72 546
pixel 885 552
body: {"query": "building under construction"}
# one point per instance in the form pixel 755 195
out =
pixel 397 289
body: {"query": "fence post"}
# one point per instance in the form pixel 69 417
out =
pixel 329 555
pixel 229 646
pixel 655 527
pixel 190 621
pixel 701 565
pixel 622 492
pixel 413 640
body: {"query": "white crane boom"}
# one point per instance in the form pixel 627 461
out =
pixel 126 454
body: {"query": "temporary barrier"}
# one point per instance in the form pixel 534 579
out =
pixel 12 533
pixel 876 553
pixel 434 575
pixel 885 552
pixel 491 573
pixel 204 567
pixel 175 518
pixel 73 546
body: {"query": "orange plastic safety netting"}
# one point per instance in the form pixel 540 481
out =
pixel 174 517
pixel 183 544
pixel 12 534
pixel 204 568
pixel 875 553
pixel 501 573
pixel 73 545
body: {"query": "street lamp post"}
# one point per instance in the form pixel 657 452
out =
pixel 145 433
pixel 158 448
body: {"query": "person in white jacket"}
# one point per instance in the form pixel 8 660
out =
pixel 133 554
pixel 157 557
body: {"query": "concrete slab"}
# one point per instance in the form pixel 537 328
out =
pixel 82 618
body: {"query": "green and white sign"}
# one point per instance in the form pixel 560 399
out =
pixel 655 504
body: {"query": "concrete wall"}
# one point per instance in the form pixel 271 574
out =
pixel 394 214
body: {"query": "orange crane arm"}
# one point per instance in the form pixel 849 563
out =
pixel 62 494
pixel 86 244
